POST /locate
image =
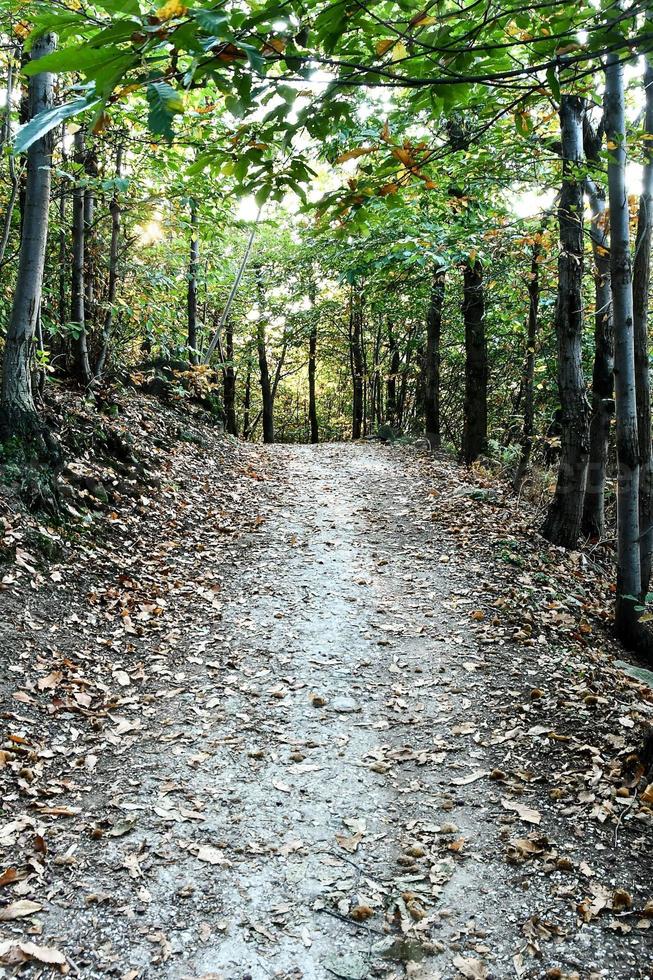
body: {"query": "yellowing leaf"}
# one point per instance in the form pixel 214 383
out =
pixel 381 47
pixel 170 10
pixel 276 44
pixel 399 51
pixel 359 151
pixel 423 20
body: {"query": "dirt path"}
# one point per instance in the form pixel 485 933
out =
pixel 303 788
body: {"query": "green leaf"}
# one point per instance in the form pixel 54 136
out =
pixel 554 84
pixel 165 103
pixel 82 58
pixel 44 122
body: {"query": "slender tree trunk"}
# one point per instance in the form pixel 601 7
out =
pixel 563 521
pixel 78 290
pixel 264 370
pixel 63 264
pixel 14 183
pixel 528 387
pixel 628 554
pixel 247 401
pixel 91 169
pixel 641 288
pixel 392 409
pixel 602 378
pixel 312 403
pixel 18 416
pixel 215 340
pixel 432 360
pixel 356 361
pixel 476 370
pixel 193 266
pixel 114 247
pixel 229 381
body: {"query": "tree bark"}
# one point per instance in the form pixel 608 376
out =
pixel 593 522
pixel 476 369
pixel 563 521
pixel 18 416
pixel 628 553
pixel 391 404
pixel 264 370
pixel 641 288
pixel 247 401
pixel 229 382
pixel 357 363
pixel 63 265
pixel 529 363
pixel 78 289
pixel 112 286
pixel 432 359
pixel 193 266
pixel 312 403
pixel 14 183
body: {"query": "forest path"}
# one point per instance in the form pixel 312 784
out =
pixel 300 787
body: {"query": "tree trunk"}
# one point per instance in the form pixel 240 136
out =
pixel 247 401
pixel 476 371
pixel 229 382
pixel 593 523
pixel 529 363
pixel 90 166
pixel 312 403
pixel 14 183
pixel 18 416
pixel 63 265
pixel 563 521
pixel 391 405
pixel 264 370
pixel 432 360
pixel 628 555
pixel 193 266
pixel 356 362
pixel 641 287
pixel 77 310
pixel 116 219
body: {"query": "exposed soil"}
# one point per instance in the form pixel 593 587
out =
pixel 267 729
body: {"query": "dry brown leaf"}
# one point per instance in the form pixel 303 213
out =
pixel 19 909
pixel 471 968
pixel 525 813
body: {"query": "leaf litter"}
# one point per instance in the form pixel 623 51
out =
pixel 254 721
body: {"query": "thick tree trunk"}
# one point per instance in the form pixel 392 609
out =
pixel 357 362
pixel 529 363
pixel 641 287
pixel 563 521
pixel 18 416
pixel 78 289
pixel 193 266
pixel 114 251
pixel 432 360
pixel 628 554
pixel 476 370
pixel 593 523
pixel 229 382
pixel 264 370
